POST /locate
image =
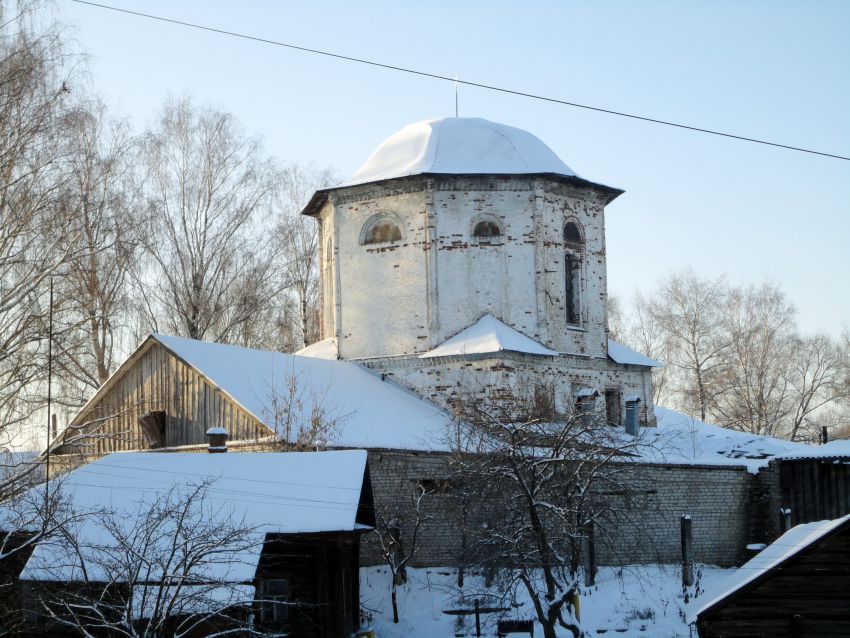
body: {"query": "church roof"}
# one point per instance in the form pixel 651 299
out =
pixel 486 335
pixel 623 354
pixel 458 146
pixel 465 145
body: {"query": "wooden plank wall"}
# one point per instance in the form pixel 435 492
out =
pixel 815 489
pixel 807 597
pixel 158 380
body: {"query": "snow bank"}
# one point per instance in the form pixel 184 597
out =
pixel 636 601
pixel 487 335
pixel 462 145
pixel 370 413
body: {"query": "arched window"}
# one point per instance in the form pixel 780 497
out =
pixel 380 229
pixel 573 248
pixel 486 230
pixel 572 236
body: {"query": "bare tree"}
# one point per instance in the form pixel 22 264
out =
pixel 163 570
pixel 817 372
pixel 100 192
pixel 35 237
pixel 299 242
pixel 302 414
pixel 396 523
pixel 210 258
pixel 31 513
pixel 644 332
pixel 688 310
pixel 543 476
pixel 754 392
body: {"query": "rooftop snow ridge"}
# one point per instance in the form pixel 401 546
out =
pixel 459 145
pixel 485 336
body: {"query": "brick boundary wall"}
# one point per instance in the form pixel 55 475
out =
pixel 717 498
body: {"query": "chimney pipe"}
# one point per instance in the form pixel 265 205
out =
pixel 217 438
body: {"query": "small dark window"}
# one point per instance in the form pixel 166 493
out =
pixel 152 425
pixel 274 601
pixel 487 230
pixel 572 236
pixel 572 292
pixel 381 233
pixel 613 407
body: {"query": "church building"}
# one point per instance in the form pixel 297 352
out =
pixel 463 261
pixel 465 256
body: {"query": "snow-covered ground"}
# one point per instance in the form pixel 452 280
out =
pixel 638 600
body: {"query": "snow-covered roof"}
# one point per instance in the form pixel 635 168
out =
pixel 487 335
pixel 371 413
pixel 830 450
pixel 462 145
pixel 324 349
pixel 786 546
pixel 587 392
pixel 623 354
pixel 682 439
pixel 291 492
pixel 365 411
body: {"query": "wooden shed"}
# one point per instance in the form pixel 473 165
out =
pixel 294 570
pixel 797 587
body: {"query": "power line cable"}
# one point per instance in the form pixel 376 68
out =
pixel 436 76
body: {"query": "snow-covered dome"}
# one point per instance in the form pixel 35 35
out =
pixel 465 145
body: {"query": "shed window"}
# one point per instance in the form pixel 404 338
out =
pixel 381 229
pixel 274 601
pixel 152 425
pixel 486 230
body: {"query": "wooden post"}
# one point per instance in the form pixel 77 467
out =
pixel 784 519
pixel 590 567
pixel 687 552
pixel 477 617
pixel 824 435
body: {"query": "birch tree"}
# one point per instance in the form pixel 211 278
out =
pixel 210 266
pixel 100 193
pixel 35 234
pixel 299 244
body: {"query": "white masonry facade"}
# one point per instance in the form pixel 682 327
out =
pixel 453 220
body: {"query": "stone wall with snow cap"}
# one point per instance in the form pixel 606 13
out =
pixel 647 530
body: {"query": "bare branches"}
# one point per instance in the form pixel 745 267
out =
pixel 165 569
pixel 734 356
pixel 211 266
pixel 396 523
pixel 299 241
pixel 535 477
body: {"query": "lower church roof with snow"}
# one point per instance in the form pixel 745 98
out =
pixel 488 335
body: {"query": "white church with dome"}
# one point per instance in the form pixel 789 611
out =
pixel 465 256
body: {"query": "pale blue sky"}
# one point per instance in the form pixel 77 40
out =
pixel 776 70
